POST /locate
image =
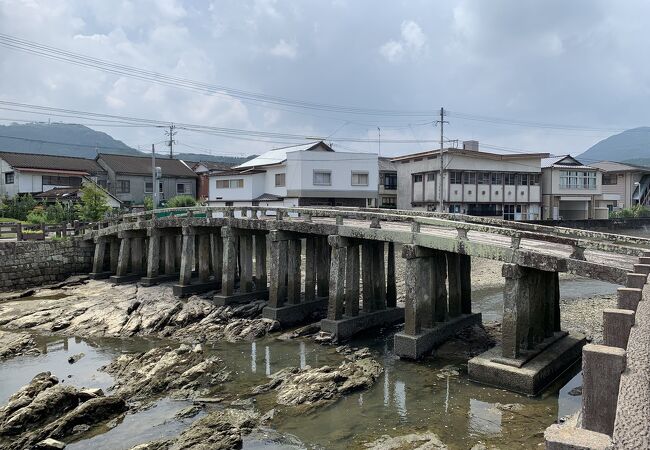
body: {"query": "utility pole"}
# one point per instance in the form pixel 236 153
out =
pixel 442 123
pixel 171 133
pixel 379 131
pixel 154 180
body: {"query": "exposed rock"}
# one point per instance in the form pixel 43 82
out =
pixel 312 386
pixel 217 430
pixel 188 412
pixel 15 344
pixel 448 371
pixel 424 441
pixel 44 410
pixel 74 358
pixel 576 391
pixel 98 308
pixel 183 372
pixel 307 330
pixel 50 444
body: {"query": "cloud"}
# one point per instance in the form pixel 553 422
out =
pixel 284 49
pixel 413 43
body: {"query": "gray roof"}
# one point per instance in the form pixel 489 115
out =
pixel 279 155
pixel 613 166
pixel 565 161
pixel 386 164
pixel 267 198
pixel 51 162
pixel 139 165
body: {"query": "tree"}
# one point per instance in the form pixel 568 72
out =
pixel 181 201
pixel 18 207
pixel 148 203
pixel 93 205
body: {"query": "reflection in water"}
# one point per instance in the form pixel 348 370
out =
pixel 303 356
pixel 400 398
pixel 386 389
pixel 447 397
pixel 484 418
pixel 267 360
pixel 253 357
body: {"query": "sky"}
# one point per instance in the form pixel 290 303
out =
pixel 516 75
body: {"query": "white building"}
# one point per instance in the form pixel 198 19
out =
pixel 473 182
pixel 303 175
pixel 571 190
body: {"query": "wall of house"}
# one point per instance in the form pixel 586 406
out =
pixel 33 263
pixel 137 193
pixel 254 185
pixel 269 180
pixel 551 183
pixel 301 167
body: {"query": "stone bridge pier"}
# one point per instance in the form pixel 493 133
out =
pixel 534 350
pixel 287 303
pixel 131 259
pixel 368 275
pixel 433 312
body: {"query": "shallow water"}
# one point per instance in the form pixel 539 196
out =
pixel 408 398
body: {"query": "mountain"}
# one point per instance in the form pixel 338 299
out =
pixel 66 139
pixel 631 146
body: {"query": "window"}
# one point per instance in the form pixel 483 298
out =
pixel 509 212
pixel 483 177
pixel 322 178
pixel 390 181
pixel 148 187
pixel 417 178
pixel 122 186
pixel 182 188
pixel 280 179
pixel 469 177
pixel 455 178
pixel 9 178
pixel 431 176
pixel 389 202
pixel 577 180
pixel 359 179
pixel 522 179
pixel 497 178
pixel 509 179
pixel 533 179
pixel 610 179
pixel 230 184
pixel 53 180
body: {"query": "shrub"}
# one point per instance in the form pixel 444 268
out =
pixel 181 201
pixel 148 203
pixel 93 205
pixel 37 215
pixel 17 207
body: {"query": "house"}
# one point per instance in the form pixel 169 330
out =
pixel 571 190
pixel 72 195
pixel 28 173
pixel 387 193
pixel 130 177
pixel 624 185
pixel 473 182
pixel 302 175
pixel 203 169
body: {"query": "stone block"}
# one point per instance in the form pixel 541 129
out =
pixel 185 290
pixel 636 280
pixel 561 437
pixel 238 298
pixel 296 314
pixel 617 324
pixel 347 327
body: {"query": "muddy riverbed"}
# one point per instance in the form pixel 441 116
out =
pixel 326 397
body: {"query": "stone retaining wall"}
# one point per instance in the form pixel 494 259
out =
pixel 28 264
pixel 598 224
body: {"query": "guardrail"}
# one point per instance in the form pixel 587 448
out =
pixel 39 232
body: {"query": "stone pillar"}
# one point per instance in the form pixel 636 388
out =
pixel 366 274
pixel 323 266
pixel 391 285
pixel 204 258
pixel 439 291
pixel 465 283
pixel 337 277
pixel 115 254
pixel 153 258
pixel 137 254
pixel 187 256
pixel 310 268
pixel 229 261
pixel 379 275
pixel 98 257
pixel 124 257
pixel 246 262
pixel 294 274
pixel 418 277
pixel 530 308
pixel 170 254
pixel 278 275
pixel 455 289
pixel 601 375
pixel 217 255
pixel 261 281
pixel 352 281
pixel 617 324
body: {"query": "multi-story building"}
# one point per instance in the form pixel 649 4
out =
pixel 387 194
pixel 130 177
pixel 473 182
pixel 303 175
pixel 571 190
pixel 624 185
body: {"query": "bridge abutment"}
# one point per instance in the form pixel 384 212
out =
pixel 432 313
pixel 344 319
pixel 534 350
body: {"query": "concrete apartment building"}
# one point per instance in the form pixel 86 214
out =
pixel 129 177
pixel 303 175
pixel 571 190
pixel 473 182
pixel 387 193
pixel 624 185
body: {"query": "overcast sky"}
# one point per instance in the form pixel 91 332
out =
pixel 572 63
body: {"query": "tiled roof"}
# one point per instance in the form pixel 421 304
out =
pixel 59 193
pixel 267 198
pixel 141 165
pixel 51 162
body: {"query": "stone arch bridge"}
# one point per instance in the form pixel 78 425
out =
pixel 342 261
